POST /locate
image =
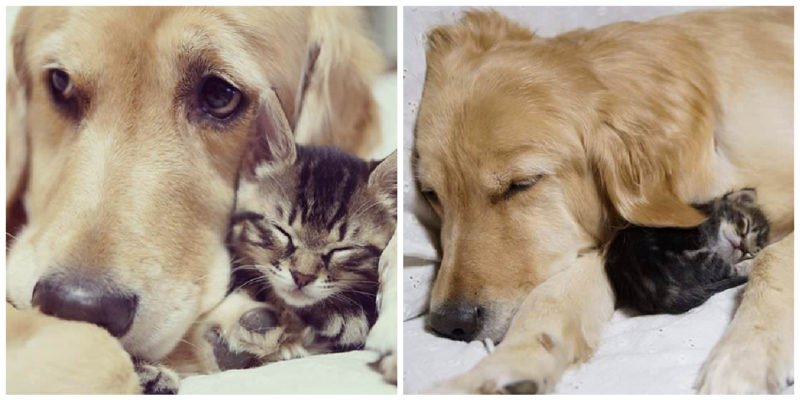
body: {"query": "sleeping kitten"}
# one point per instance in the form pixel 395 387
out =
pixel 672 270
pixel 309 227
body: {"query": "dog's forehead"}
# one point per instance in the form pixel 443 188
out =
pixel 79 39
pixel 108 41
pixel 486 132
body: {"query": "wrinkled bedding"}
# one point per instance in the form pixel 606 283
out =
pixel 646 354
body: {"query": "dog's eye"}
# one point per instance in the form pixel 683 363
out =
pixel 521 186
pixel 431 196
pixel 219 98
pixel 60 84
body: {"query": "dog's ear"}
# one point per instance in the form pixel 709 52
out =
pixel 271 141
pixel 638 163
pixel 383 179
pixel 17 84
pixel 479 28
pixel 335 105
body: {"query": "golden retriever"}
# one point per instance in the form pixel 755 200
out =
pixel 532 150
pixel 125 131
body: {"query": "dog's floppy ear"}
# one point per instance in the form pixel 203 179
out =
pixel 335 105
pixel 652 142
pixel 637 164
pixel 17 151
pixel 271 142
pixel 383 178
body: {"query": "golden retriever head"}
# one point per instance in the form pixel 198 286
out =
pixel 130 127
pixel 527 156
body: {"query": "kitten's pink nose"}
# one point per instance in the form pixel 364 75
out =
pixel 302 279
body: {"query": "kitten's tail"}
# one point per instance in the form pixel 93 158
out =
pixel 698 295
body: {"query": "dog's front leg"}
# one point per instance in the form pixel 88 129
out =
pixel 383 335
pixel 559 323
pixel 755 354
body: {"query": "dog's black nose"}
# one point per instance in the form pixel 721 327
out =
pixel 81 298
pixel 455 320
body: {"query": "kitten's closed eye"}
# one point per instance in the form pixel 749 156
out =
pixel 743 225
pixel 255 229
pixel 340 254
pixel 353 255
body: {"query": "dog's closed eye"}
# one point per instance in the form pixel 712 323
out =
pixel 520 186
pixel 431 196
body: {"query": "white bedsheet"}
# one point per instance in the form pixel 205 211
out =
pixel 340 373
pixel 646 354
pixel 650 354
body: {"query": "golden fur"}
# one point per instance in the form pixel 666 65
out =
pixel 133 188
pixel 629 122
pixel 46 355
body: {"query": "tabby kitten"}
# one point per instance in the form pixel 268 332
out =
pixel 672 270
pixel 310 224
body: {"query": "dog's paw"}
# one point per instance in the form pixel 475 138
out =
pixel 254 337
pixel 382 337
pixel 749 366
pixel 386 365
pixel 512 370
pixel 157 379
pixel 472 383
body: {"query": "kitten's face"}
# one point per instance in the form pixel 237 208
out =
pixel 743 229
pixel 316 228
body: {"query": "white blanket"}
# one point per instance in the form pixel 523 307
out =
pixel 651 354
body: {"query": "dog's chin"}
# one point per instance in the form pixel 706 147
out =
pixel 496 323
pixel 496 332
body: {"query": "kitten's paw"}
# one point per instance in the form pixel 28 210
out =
pixel 386 364
pixel 157 379
pixel 743 268
pixel 254 337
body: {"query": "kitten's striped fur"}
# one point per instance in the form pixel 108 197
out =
pixel 308 229
pixel 322 220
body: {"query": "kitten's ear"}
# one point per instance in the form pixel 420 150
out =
pixel 272 141
pixel 383 178
pixel 746 196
